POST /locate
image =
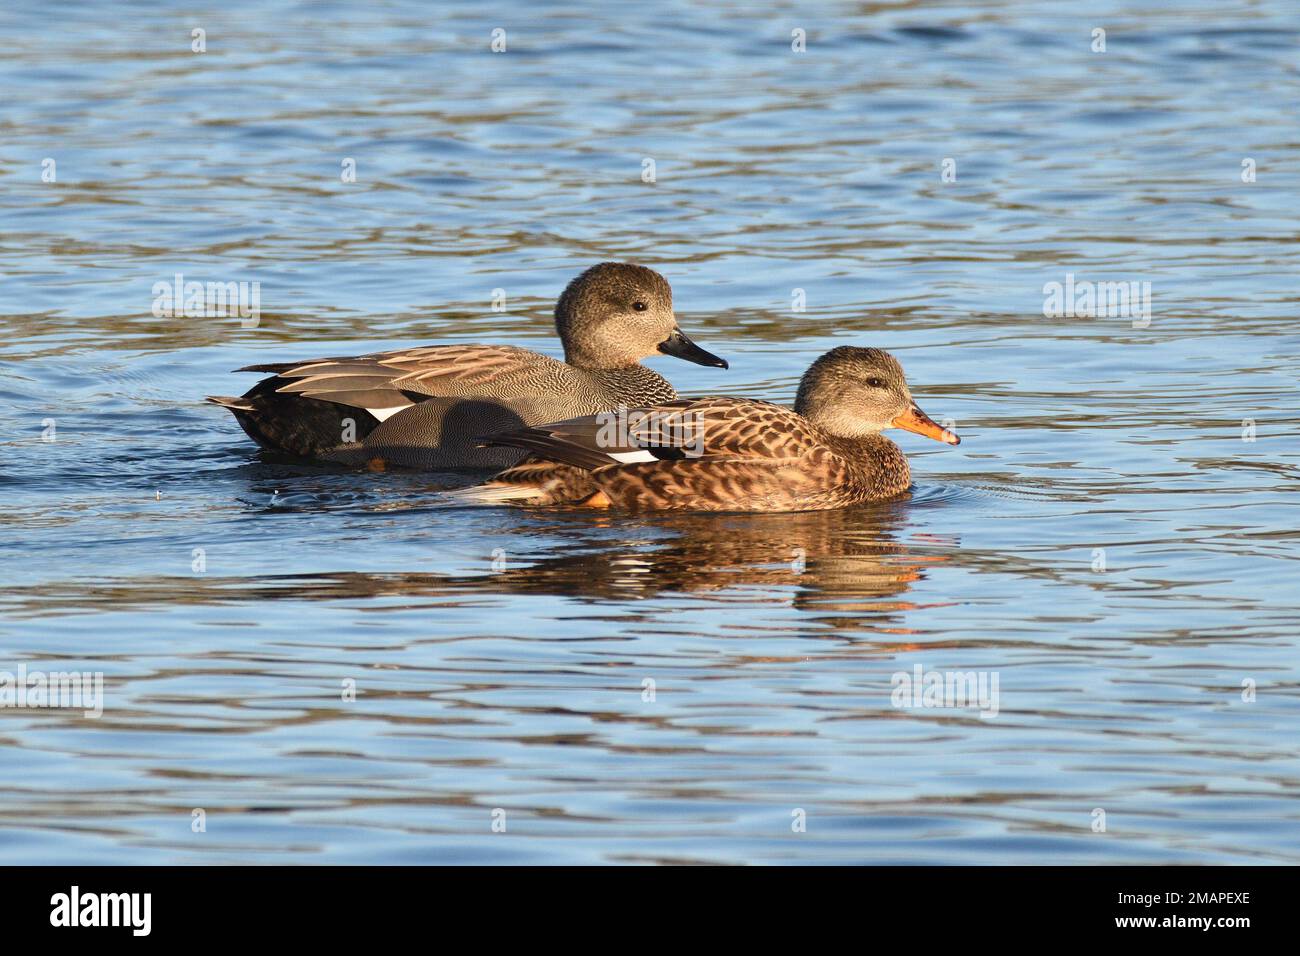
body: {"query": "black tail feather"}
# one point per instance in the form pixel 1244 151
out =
pixel 549 446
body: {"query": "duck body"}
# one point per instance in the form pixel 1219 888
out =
pixel 753 456
pixel 424 407
pixel 825 473
pixel 730 454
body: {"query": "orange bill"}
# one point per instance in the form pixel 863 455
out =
pixel 915 420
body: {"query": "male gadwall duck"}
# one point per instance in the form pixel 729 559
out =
pixel 424 407
pixel 730 454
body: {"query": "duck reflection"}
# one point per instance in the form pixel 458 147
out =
pixel 839 565
pixel 850 561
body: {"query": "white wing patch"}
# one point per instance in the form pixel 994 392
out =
pixel 383 414
pixel 628 457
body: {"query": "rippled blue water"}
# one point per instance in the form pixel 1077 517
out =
pixel 771 641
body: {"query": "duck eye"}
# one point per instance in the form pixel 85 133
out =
pixel 875 383
pixel 639 306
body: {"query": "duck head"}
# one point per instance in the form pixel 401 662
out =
pixel 615 314
pixel 853 392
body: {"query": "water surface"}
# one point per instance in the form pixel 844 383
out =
pixel 501 658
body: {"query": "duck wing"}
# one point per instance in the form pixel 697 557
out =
pixel 384 383
pixel 687 430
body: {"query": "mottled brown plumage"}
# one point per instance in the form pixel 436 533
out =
pixel 733 454
pixel 425 407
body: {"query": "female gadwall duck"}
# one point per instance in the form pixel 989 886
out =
pixel 424 407
pixel 730 454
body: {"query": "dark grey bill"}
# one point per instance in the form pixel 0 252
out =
pixel 679 346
